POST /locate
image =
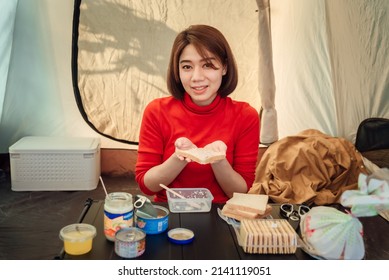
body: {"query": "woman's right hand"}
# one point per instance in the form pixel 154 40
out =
pixel 184 143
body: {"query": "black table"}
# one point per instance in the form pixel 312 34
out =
pixel 214 238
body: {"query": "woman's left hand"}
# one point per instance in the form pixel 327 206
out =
pixel 217 146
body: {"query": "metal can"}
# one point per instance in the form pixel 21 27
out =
pixel 118 213
pixel 153 225
pixel 130 242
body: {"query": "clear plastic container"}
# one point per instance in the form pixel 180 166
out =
pixel 196 200
pixel 77 238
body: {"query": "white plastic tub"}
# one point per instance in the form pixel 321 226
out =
pixel 55 163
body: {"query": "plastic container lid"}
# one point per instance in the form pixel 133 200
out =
pixel 180 235
pixel 77 232
pixel 77 238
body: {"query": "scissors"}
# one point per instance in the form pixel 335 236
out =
pixel 293 213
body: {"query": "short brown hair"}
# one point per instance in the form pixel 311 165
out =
pixel 204 38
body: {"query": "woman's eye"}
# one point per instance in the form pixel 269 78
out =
pixel 210 66
pixel 186 67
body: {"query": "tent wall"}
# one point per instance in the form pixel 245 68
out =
pixel 330 63
pixel 39 98
pixel 7 21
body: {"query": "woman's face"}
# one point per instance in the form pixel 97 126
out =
pixel 200 77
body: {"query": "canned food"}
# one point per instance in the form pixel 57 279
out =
pixel 118 213
pixel 130 242
pixel 152 225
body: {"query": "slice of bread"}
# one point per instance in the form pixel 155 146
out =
pixel 201 155
pixel 255 203
pixel 234 216
pixel 239 215
pixel 230 211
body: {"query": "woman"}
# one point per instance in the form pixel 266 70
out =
pixel 202 73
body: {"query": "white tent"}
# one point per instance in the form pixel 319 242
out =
pixel 330 60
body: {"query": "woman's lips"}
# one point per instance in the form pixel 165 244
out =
pixel 199 89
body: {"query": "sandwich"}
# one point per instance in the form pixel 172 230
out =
pixel 239 215
pixel 255 203
pixel 201 155
pixel 247 206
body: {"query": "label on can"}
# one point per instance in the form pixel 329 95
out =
pixel 114 222
pixel 153 225
pixel 118 213
pixel 130 243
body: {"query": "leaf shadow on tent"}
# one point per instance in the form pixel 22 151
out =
pixel 117 54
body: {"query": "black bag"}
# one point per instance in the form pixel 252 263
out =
pixel 372 134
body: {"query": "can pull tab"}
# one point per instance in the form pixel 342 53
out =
pixel 140 201
pixel 144 205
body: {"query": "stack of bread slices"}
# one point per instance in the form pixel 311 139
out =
pixel 267 236
pixel 247 206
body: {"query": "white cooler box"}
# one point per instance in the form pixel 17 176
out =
pixel 55 164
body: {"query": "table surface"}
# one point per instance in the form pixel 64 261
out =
pixel 214 239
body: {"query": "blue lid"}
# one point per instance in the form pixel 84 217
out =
pixel 180 235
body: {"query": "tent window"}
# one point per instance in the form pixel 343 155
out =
pixel 121 50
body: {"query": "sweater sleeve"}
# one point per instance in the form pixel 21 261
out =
pixel 247 144
pixel 150 150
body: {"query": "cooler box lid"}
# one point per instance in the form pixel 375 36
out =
pixel 33 144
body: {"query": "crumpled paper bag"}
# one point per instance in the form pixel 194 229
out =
pixel 328 233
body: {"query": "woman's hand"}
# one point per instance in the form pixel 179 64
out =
pixel 217 146
pixel 229 180
pixel 184 143
pixel 166 172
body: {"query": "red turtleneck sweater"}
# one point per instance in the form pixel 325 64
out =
pixel 166 119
